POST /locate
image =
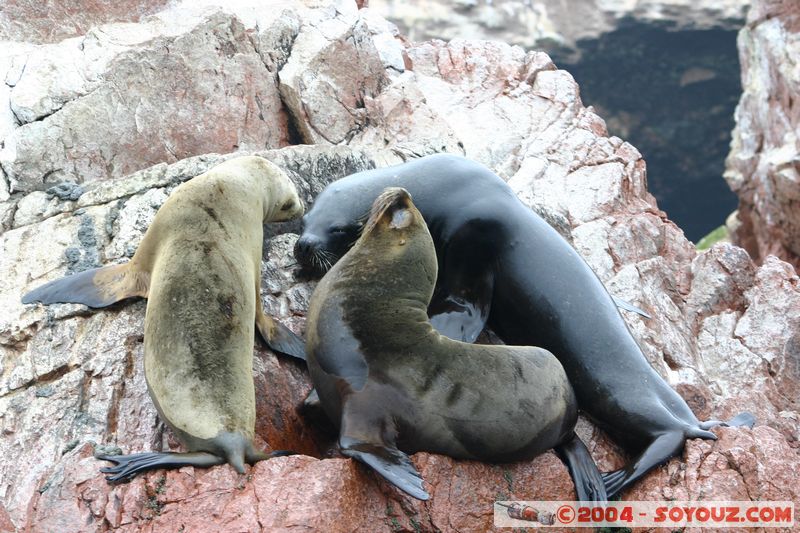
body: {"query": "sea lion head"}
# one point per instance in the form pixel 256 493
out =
pixel 334 223
pixel 396 243
pixel 280 199
pixel 392 217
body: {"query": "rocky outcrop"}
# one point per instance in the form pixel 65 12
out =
pixel 533 24
pixel 763 167
pixel 51 21
pixel 124 97
pixel 723 332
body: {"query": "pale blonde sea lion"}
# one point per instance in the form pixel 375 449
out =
pixel 199 266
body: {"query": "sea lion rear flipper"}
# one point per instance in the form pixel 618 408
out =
pixel 98 287
pixel 627 306
pixel 126 467
pixel 659 451
pixel 460 310
pixel 743 419
pixel 389 462
pixel 278 337
pixel 589 485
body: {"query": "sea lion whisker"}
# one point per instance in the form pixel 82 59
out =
pixel 320 262
pixel 327 255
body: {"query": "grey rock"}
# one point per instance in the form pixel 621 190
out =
pixel 65 191
pixel 723 332
pixel 50 21
pixel 190 91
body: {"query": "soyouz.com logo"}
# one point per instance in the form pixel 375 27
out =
pixel 669 514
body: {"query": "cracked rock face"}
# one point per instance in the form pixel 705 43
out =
pixel 724 330
pixel 49 21
pixel 119 99
pixel 763 167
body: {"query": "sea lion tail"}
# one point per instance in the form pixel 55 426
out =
pixel 98 287
pixel 238 450
pixel 232 446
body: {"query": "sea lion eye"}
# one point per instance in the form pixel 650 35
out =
pixel 401 219
pixel 288 205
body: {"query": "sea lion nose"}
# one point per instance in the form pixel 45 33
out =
pixel 304 248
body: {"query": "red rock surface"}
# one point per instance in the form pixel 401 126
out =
pixel 724 330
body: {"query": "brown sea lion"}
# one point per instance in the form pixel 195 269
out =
pixel 392 382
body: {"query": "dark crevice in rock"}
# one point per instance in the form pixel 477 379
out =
pixel 21 122
pixel 7 222
pixel 274 57
pixel 50 377
pixel 112 419
pixel 295 130
pixel 293 133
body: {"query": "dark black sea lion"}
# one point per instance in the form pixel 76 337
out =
pixel 498 260
pixel 391 382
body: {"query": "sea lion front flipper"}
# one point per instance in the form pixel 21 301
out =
pixel 460 310
pixel 126 467
pixel 589 485
pixel 278 337
pixel 367 434
pixel 98 287
pixel 389 462
pixel 627 306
